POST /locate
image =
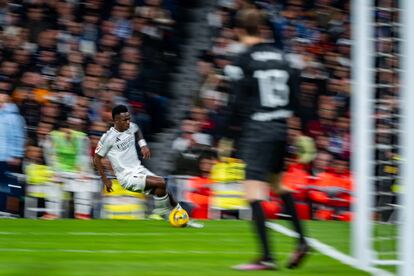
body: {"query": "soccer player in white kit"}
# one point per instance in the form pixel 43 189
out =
pixel 118 145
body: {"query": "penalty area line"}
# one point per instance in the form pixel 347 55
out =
pixel 329 251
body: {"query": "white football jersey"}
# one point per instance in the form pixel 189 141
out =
pixel 120 149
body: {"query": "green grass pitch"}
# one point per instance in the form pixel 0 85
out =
pixel 107 247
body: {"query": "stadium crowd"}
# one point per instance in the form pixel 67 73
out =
pixel 64 64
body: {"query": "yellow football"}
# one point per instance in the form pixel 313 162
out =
pixel 179 217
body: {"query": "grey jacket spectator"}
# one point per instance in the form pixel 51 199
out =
pixel 12 140
pixel 190 137
pixel 12 131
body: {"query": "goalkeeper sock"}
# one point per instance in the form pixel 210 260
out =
pixel 291 210
pixel 259 222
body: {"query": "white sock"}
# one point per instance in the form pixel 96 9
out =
pixel 162 205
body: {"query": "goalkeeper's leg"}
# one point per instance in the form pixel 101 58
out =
pixel 302 248
pixel 256 192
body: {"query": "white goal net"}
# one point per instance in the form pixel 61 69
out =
pixel 383 106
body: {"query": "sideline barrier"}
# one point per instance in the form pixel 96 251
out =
pixel 219 199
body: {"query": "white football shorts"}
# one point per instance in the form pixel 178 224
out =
pixel 135 181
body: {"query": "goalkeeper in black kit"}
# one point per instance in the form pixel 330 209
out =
pixel 265 89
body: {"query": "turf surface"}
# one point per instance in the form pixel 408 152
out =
pixel 104 247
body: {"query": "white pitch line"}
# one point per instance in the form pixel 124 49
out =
pixel 110 234
pixel 145 252
pixel 329 251
pixel 140 234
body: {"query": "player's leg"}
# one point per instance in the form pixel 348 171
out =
pixel 286 195
pixel 147 182
pixel 256 192
pixel 163 200
pixel 255 152
pixel 144 181
pixel 288 200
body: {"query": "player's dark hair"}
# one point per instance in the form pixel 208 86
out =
pixel 251 20
pixel 118 110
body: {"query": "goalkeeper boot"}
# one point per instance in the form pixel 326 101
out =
pixel 298 255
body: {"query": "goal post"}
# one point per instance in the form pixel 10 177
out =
pixel 361 109
pixel 406 237
pixel 383 222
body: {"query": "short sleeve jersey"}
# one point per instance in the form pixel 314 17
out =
pixel 120 149
pixel 265 86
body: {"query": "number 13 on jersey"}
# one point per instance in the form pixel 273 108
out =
pixel 273 87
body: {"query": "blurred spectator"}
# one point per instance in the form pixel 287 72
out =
pixel 97 129
pixel 141 117
pixel 35 15
pixel 214 103
pixel 67 149
pixel 334 179
pixel 31 112
pixel 51 113
pixel 340 141
pixel 40 183
pixel 12 138
pixel 129 72
pixel 308 100
pixel 190 137
pixel 42 131
pixel 120 16
pixel 322 162
pixel 199 192
pixel 200 115
pixel 101 108
pixel 67 153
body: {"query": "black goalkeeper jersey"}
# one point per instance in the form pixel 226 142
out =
pixel 265 87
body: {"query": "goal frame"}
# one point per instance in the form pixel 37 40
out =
pixel 362 108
